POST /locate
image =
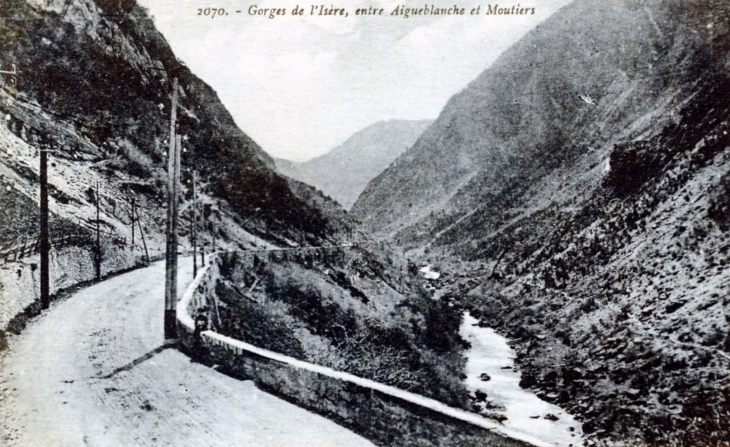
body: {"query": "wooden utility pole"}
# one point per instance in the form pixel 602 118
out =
pixel 192 243
pixel 213 241
pixel 194 228
pixel 202 239
pixel 98 237
pixel 132 216
pixel 178 187
pixel 171 248
pixel 45 243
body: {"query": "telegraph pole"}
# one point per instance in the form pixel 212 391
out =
pixel 98 237
pixel 194 228
pixel 141 233
pixel 171 249
pixel 202 238
pixel 45 243
pixel 213 242
pixel 132 216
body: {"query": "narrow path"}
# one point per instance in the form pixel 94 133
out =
pixel 95 371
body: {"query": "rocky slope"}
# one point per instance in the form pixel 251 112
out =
pixel 575 196
pixel 95 82
pixel 344 172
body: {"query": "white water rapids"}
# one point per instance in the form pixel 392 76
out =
pixel 525 412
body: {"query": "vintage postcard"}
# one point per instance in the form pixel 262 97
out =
pixel 287 223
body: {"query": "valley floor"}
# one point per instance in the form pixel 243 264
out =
pixel 94 370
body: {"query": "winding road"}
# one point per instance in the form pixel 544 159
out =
pixel 94 370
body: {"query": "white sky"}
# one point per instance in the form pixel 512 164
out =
pixel 300 86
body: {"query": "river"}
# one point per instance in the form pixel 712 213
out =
pixel 525 412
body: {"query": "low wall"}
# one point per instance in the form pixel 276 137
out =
pixel 384 414
pixel 69 266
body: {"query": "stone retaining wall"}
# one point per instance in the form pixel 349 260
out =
pixel 69 266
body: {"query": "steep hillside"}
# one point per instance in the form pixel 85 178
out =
pixel 350 309
pixel 344 172
pixel 575 195
pixel 523 117
pixel 94 82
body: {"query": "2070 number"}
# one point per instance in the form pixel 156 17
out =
pixel 212 12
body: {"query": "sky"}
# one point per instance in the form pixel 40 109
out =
pixel 301 85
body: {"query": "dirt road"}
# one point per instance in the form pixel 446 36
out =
pixel 95 371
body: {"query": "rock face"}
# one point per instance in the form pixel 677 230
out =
pixel 344 172
pixel 575 196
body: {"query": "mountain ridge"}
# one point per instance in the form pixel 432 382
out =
pixel 344 172
pixel 497 109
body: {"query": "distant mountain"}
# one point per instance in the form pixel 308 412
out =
pixel 344 172
pixel 577 191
